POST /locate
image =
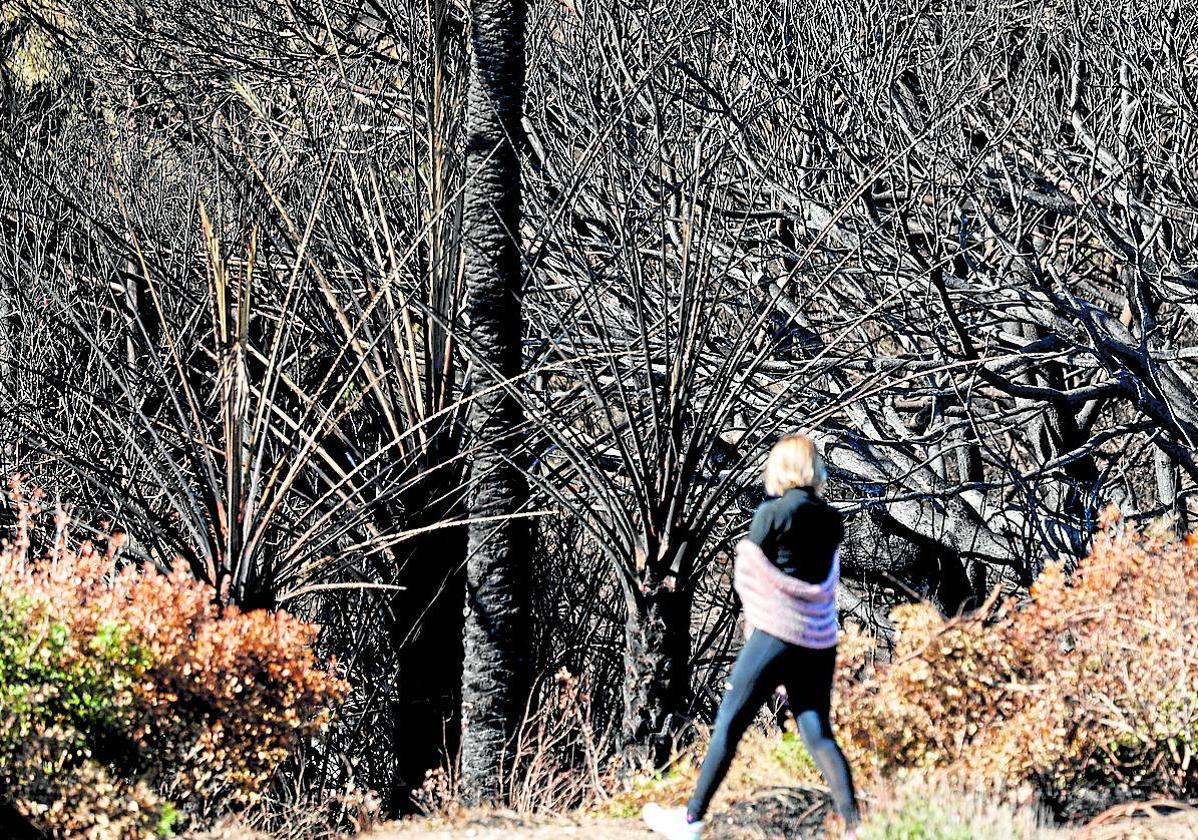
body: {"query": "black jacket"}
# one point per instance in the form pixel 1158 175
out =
pixel 799 531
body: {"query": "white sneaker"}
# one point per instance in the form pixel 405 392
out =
pixel 671 822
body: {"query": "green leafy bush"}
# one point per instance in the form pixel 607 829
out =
pixel 129 698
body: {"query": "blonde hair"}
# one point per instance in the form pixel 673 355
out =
pixel 794 462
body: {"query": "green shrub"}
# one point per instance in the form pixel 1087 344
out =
pixel 792 757
pixel 939 811
pixel 919 820
pixel 66 708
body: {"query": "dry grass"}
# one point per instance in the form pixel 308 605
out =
pixel 763 761
pixel 773 792
pixel 970 815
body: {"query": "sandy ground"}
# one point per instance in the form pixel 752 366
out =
pixel 503 828
pixel 1142 824
pixel 782 814
pixel 765 818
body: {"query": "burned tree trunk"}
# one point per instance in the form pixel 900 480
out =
pixel 494 679
pixel 656 674
pixel 658 596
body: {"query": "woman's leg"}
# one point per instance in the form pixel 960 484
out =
pixel 754 677
pixel 809 693
pixel 816 730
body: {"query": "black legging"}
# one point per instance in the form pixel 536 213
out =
pixel 764 663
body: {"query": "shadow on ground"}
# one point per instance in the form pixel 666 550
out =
pixel 775 814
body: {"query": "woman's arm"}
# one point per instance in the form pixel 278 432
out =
pixel 760 530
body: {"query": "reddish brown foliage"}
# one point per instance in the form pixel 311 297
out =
pixel 133 685
pixel 1091 681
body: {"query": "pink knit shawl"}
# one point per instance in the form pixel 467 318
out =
pixel 793 610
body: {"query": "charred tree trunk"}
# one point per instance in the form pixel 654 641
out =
pixel 656 676
pixel 494 676
pixel 657 647
pixel 428 633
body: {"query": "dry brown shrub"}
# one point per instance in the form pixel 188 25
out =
pixel 1089 683
pixel 129 696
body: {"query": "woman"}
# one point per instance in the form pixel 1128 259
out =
pixel 786 575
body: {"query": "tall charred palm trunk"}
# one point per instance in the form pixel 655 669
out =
pixel 494 674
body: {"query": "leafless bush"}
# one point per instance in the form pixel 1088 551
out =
pixel 953 239
pixel 230 300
